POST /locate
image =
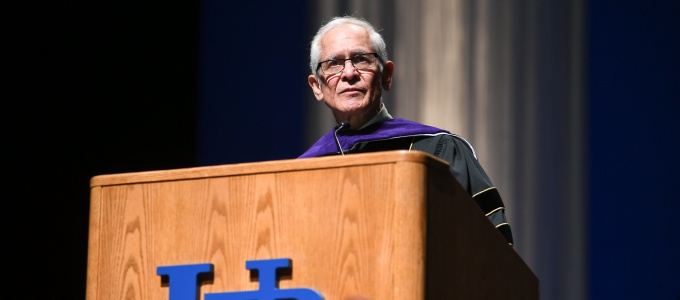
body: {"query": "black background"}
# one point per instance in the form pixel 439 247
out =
pixel 94 88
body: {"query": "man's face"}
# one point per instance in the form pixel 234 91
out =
pixel 352 95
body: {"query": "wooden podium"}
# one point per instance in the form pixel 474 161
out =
pixel 387 225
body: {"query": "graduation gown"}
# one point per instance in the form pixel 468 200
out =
pixel 401 134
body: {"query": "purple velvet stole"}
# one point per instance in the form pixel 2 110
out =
pixel 388 129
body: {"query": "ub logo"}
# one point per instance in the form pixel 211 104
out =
pixel 183 282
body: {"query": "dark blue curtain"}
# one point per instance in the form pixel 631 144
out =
pixel 254 57
pixel 634 94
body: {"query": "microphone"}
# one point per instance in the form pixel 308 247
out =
pixel 341 126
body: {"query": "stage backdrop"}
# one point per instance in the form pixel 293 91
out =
pixel 570 106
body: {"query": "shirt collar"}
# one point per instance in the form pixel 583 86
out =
pixel 382 115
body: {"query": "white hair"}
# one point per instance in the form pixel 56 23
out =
pixel 376 40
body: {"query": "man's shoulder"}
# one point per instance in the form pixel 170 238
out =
pixel 404 127
pixel 407 122
pixel 436 144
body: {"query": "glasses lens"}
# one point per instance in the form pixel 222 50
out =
pixel 360 62
pixel 363 61
pixel 333 66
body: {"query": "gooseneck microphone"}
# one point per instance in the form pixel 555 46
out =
pixel 341 126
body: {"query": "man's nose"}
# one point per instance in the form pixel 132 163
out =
pixel 349 71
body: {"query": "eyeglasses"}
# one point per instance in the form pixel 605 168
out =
pixel 360 62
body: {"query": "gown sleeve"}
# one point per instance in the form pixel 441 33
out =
pixel 465 167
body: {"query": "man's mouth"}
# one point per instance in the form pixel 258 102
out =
pixel 352 91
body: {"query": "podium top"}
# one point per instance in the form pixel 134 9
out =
pixel 387 225
pixel 397 156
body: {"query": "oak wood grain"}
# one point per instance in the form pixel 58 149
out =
pixel 372 226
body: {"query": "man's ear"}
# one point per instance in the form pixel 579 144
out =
pixel 388 71
pixel 316 87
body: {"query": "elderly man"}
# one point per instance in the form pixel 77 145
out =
pixel 350 70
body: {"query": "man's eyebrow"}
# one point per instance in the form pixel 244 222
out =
pixel 352 53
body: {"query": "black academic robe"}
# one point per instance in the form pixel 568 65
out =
pixel 401 134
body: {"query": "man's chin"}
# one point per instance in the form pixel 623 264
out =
pixel 352 108
pixel 356 100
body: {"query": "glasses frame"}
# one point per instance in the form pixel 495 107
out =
pixel 318 66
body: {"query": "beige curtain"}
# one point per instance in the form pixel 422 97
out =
pixel 509 77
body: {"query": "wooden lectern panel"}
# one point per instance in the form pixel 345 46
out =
pixel 379 225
